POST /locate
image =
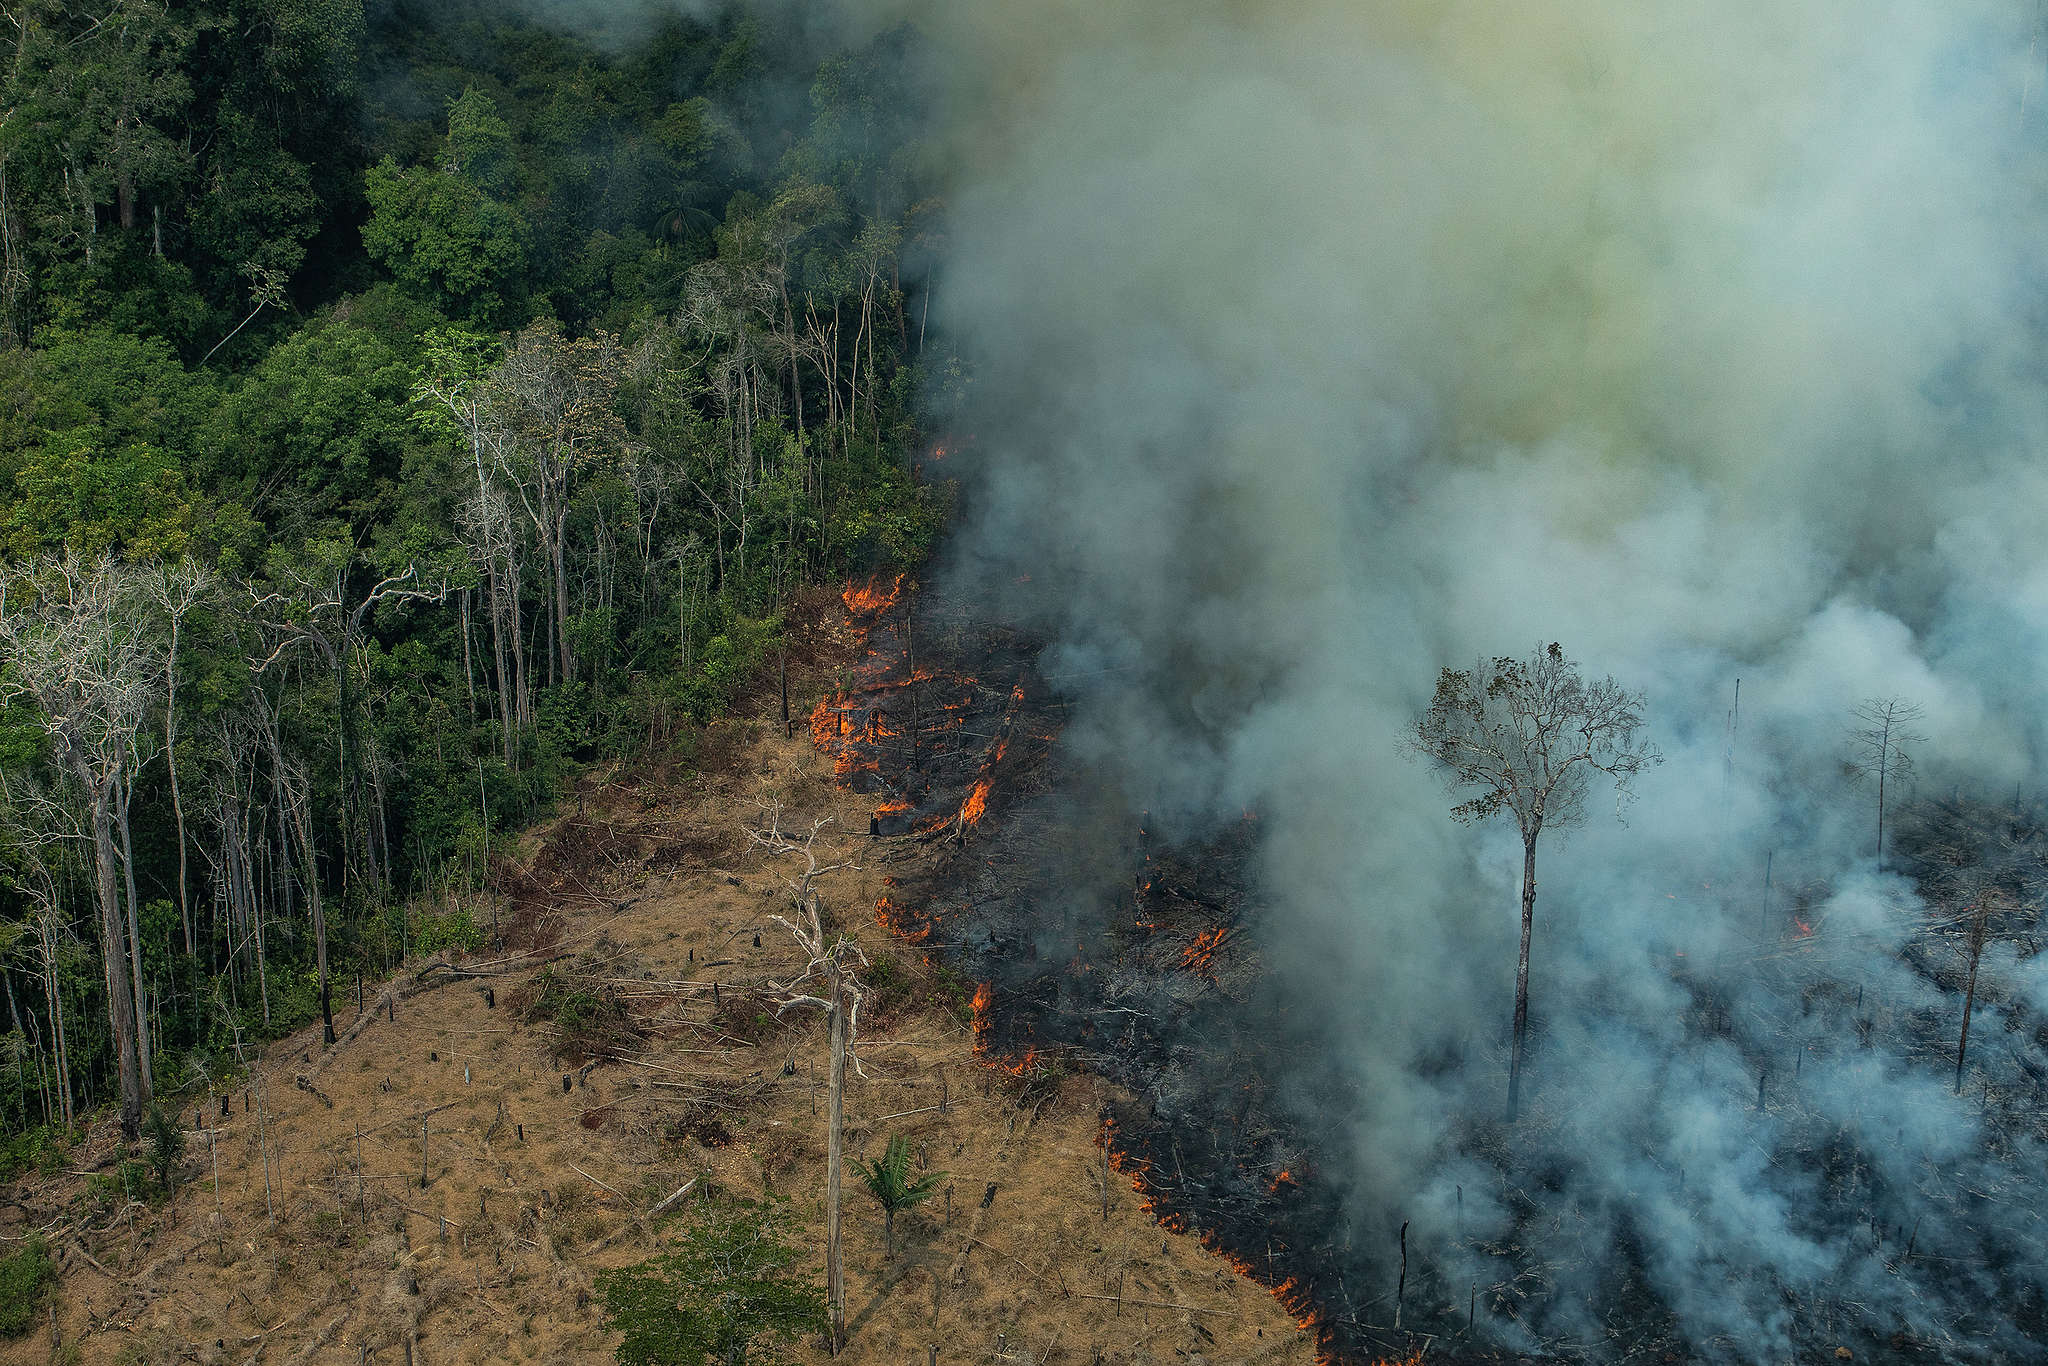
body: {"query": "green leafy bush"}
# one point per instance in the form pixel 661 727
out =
pixel 590 1022
pixel 888 1179
pixel 457 929
pixel 166 1146
pixel 25 1278
pixel 728 1291
pixel 129 1181
pixel 41 1149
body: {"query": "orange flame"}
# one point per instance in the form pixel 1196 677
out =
pixel 899 922
pixel 976 805
pixel 983 1022
pixel 1200 956
pixel 972 809
pixel 1289 1292
pixel 984 997
pixel 871 598
pixel 828 721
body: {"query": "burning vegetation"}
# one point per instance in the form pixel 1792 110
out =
pixel 930 741
pixel 1095 940
pixel 942 717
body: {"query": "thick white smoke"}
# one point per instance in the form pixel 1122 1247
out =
pixel 1320 345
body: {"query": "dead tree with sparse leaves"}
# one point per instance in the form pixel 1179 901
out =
pixel 829 982
pixel 1878 743
pixel 77 641
pixel 1526 736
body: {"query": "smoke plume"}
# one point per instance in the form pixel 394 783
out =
pixel 1321 345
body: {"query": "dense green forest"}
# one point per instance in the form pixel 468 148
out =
pixel 401 404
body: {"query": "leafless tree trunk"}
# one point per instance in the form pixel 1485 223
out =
pixel 177 589
pixel 835 1276
pixel 121 1004
pixel 294 792
pixel 833 963
pixel 1880 744
pixel 1522 975
pixel 53 995
pixel 1981 914
pixel 26 812
pixel 485 523
pixel 144 1030
pixel 315 593
pixel 553 401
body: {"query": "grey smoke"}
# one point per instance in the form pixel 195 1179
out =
pixel 1320 345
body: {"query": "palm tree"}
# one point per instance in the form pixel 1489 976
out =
pixel 888 1180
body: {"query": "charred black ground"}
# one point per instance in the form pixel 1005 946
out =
pixel 1106 947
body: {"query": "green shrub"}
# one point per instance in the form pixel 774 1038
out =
pixel 129 1181
pixel 730 1290
pixel 166 1146
pixel 955 992
pixel 41 1149
pixel 455 930
pixel 888 1179
pixel 589 1022
pixel 25 1278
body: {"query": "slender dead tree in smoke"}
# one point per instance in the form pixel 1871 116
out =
pixel 831 969
pixel 1526 736
pixel 1878 745
pixel 1980 917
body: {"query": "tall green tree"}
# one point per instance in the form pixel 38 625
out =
pixel 445 230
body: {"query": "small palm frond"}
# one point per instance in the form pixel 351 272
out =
pixel 888 1178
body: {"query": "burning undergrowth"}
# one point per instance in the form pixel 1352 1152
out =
pixel 1090 940
pixel 1094 941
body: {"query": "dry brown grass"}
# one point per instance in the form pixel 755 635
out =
pixel 532 1190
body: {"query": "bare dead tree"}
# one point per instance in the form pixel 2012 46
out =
pixel 829 982
pixel 49 931
pixel 458 391
pixel 1878 746
pixel 1987 880
pixel 1980 915
pixel 35 828
pixel 1526 736
pixel 177 588
pixel 76 641
pixel 313 608
pixel 234 868
pixel 552 400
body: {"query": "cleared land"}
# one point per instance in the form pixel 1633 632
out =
pixel 647 899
